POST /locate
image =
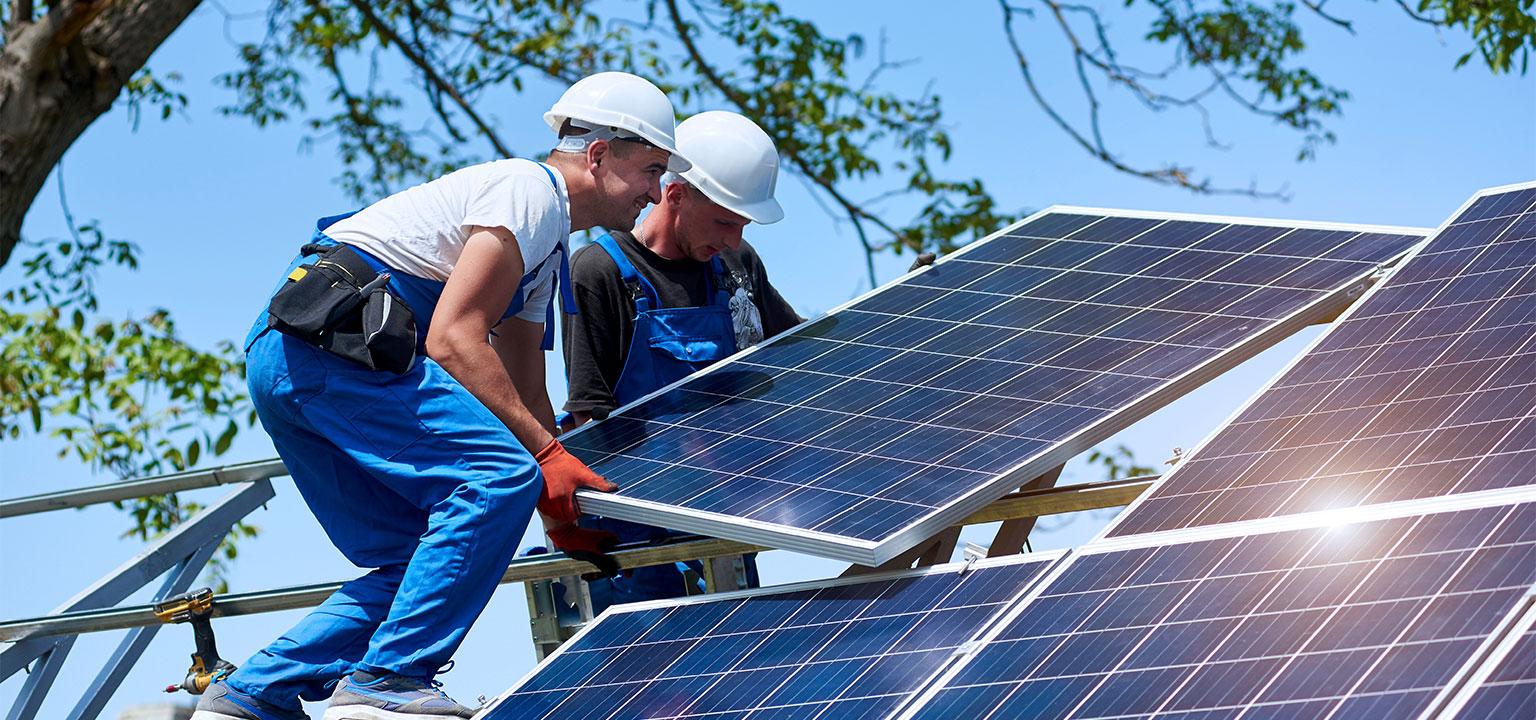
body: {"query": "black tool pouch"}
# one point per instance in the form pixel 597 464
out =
pixel 339 304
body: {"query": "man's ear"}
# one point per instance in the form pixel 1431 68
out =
pixel 597 150
pixel 675 192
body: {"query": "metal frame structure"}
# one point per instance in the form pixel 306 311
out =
pixel 1038 503
pixel 43 642
pixel 1105 533
pixel 1494 651
pixel 1049 557
pixel 876 553
pixel 183 552
pixel 1451 697
pixel 1450 700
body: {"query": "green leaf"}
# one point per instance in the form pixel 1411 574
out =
pixel 221 445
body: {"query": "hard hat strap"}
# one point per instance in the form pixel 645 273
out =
pixel 588 135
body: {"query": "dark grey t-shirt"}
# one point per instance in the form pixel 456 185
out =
pixel 597 340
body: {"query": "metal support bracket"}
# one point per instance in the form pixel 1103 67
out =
pixel 725 574
pixel 1013 534
pixel 185 549
pixel 532 569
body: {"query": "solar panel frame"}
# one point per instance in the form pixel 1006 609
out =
pixel 1109 531
pixel 865 552
pixel 1049 559
pixel 1499 657
pixel 1449 699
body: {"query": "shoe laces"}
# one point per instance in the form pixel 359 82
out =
pixel 432 685
pixel 437 685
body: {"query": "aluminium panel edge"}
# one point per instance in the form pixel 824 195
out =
pixel 1247 528
pixel 1051 558
pixel 1349 312
pixel 875 553
pixel 1453 698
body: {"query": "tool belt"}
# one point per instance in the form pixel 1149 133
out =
pixel 341 305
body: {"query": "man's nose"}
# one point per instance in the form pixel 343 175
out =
pixel 733 239
pixel 653 193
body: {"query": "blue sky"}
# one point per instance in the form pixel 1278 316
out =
pixel 219 207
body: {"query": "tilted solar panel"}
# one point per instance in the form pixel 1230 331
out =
pixel 864 432
pixel 1376 619
pixel 1425 388
pixel 1509 691
pixel 839 649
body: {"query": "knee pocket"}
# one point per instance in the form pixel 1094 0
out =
pixel 501 489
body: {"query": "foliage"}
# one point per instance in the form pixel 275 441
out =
pixel 839 133
pixel 1118 463
pixel 147 89
pixel 1115 463
pixel 131 397
pixel 1503 31
pixel 1247 52
pixel 126 396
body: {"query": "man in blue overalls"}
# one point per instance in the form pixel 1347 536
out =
pixel 426 459
pixel 683 291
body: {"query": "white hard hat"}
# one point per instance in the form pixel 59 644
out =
pixel 734 163
pixel 624 102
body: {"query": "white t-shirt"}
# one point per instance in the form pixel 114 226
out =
pixel 421 230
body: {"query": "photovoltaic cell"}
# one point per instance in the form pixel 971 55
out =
pixel 1510 692
pixel 1427 388
pixel 919 403
pixel 837 651
pixel 1366 620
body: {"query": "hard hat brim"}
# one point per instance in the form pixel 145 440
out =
pixel 558 114
pixel 762 212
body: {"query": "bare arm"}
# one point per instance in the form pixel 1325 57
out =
pixel 477 293
pixel 518 342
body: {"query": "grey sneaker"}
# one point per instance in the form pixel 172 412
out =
pixel 362 696
pixel 222 702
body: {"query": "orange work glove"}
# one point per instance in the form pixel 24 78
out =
pixel 592 546
pixel 563 474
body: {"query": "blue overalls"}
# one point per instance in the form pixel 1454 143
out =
pixel 668 345
pixel 409 474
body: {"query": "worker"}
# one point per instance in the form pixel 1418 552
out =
pixel 682 291
pixel 404 390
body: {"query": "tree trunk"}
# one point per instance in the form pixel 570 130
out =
pixel 60 72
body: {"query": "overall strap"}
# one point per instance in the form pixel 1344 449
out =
pixel 329 220
pixel 562 278
pixel 646 299
pixel 567 299
pixel 550 173
pixel 719 281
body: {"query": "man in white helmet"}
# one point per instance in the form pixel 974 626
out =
pixel 399 370
pixel 682 291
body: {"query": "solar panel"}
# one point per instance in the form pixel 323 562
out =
pixel 1426 388
pixel 862 433
pixel 1373 619
pixel 1509 690
pixel 840 649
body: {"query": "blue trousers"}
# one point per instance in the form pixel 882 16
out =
pixel 409 474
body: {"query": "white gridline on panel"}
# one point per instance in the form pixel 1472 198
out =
pixel 938 461
pixel 1044 560
pixel 1383 513
pixel 1343 384
pixel 1424 249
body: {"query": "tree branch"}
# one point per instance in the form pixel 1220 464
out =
pixel 1316 6
pixel 57 75
pixel 1171 175
pixel 1421 18
pixel 415 58
pixel 856 213
pixel 21 12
